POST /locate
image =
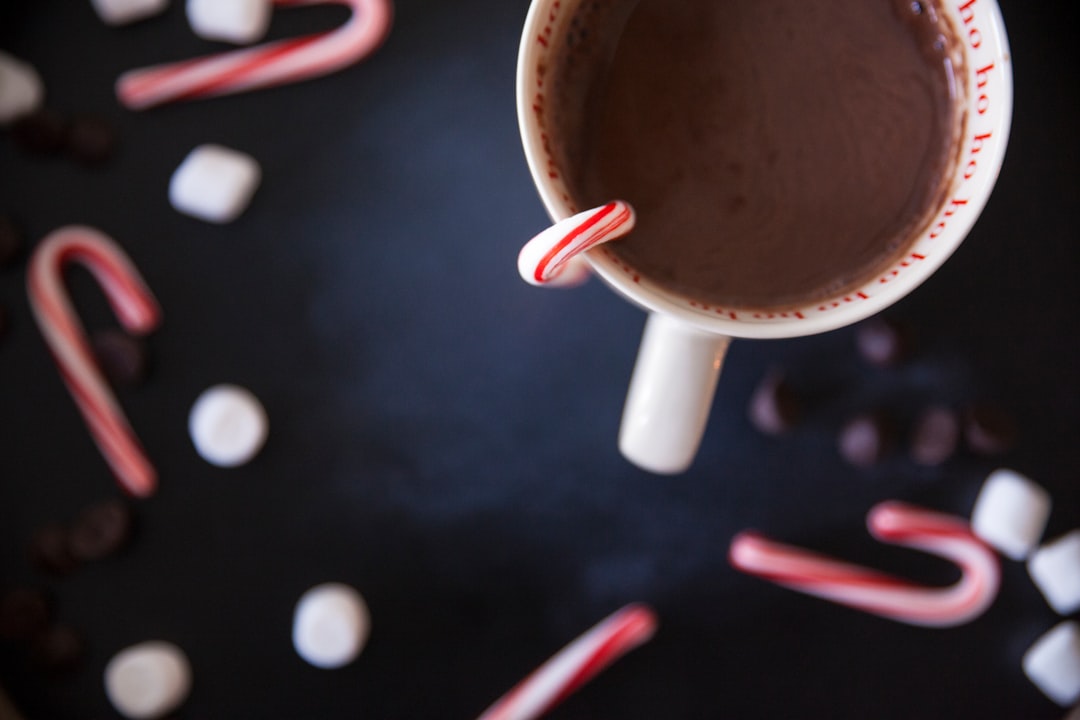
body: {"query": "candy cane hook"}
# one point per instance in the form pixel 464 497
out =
pixel 874 592
pixel 552 257
pixel 273 63
pixel 137 311
pixel 575 665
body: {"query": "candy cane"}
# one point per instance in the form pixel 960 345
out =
pixel 551 258
pixel 137 311
pixel 575 664
pixel 274 63
pixel 895 523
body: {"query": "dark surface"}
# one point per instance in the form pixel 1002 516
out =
pixel 443 435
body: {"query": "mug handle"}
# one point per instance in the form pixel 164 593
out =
pixel 670 394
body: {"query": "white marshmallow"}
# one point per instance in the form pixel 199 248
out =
pixel 122 12
pixel 1053 663
pixel 1055 568
pixel 21 89
pixel 228 425
pixel 214 183
pixel 236 21
pixel 331 625
pixel 1011 513
pixel 148 680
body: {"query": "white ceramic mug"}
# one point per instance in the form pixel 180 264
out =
pixel 684 343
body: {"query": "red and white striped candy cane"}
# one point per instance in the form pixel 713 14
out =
pixel 137 311
pixel 273 63
pixel 551 258
pixel 575 664
pixel 875 592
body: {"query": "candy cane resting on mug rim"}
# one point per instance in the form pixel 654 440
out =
pixel 875 592
pixel 273 63
pixel 137 311
pixel 553 258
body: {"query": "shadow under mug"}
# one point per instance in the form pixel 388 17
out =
pixel 685 341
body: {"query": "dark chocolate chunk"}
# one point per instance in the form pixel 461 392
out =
pixel 24 613
pixel 11 241
pixel 57 649
pixel 774 408
pixel 989 430
pixel 40 133
pixel 122 357
pixel 100 530
pixel 883 342
pixel 49 550
pixel 865 439
pixel 90 140
pixel 935 436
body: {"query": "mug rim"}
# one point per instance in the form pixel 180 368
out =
pixel 831 313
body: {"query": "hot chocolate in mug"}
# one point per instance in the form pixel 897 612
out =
pixel 795 167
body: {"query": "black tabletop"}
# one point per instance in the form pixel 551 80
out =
pixel 443 436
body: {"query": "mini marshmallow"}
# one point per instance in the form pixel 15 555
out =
pixel 331 625
pixel 228 425
pixel 122 12
pixel 21 89
pixel 1055 568
pixel 148 680
pixel 1011 513
pixel 236 21
pixel 214 183
pixel 1053 663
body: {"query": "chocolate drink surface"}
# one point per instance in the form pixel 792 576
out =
pixel 777 152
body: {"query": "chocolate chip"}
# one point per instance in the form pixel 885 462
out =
pixel 90 140
pixel 774 408
pixel 883 342
pixel 11 241
pixel 100 530
pixel 57 649
pixel 865 439
pixel 24 613
pixel 935 436
pixel 49 550
pixel 41 133
pixel 989 430
pixel 122 357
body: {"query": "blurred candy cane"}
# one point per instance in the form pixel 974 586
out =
pixel 575 665
pixel 874 592
pixel 137 311
pixel 551 258
pixel 273 63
